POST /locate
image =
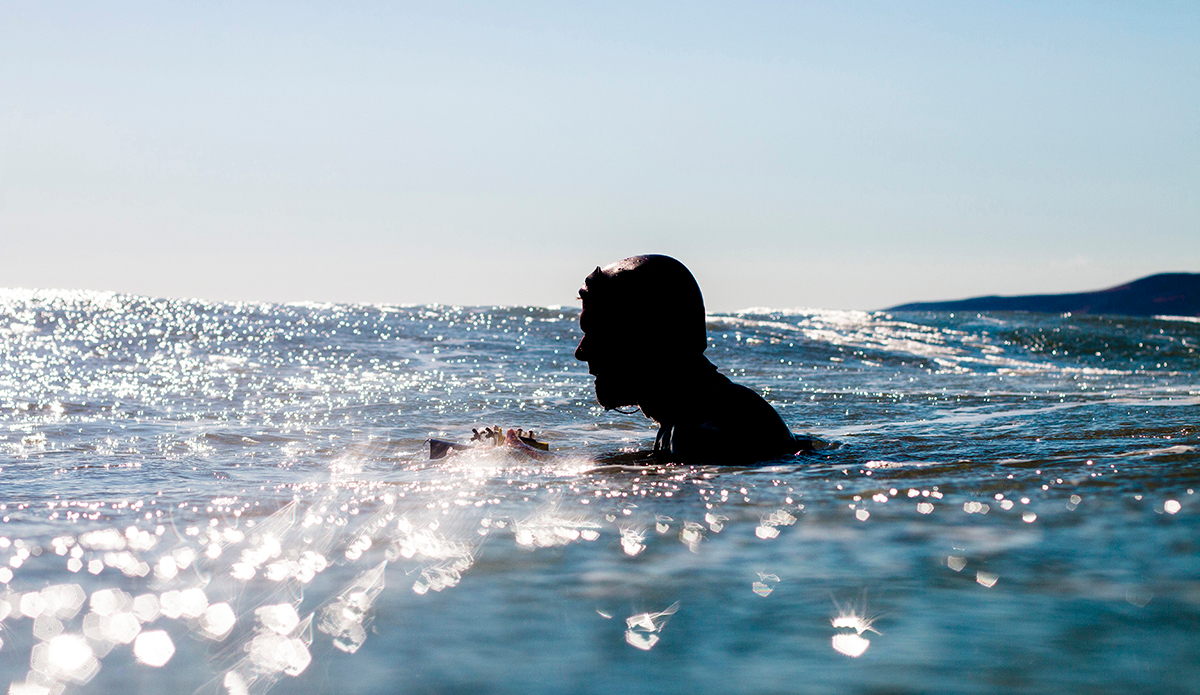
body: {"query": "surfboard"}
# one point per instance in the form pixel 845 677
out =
pixel 491 437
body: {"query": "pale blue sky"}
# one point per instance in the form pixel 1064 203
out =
pixel 839 154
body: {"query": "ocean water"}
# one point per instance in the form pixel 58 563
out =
pixel 206 497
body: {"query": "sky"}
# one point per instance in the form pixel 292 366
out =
pixel 842 155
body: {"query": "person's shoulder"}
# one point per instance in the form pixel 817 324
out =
pixel 739 426
pixel 743 396
pixel 743 409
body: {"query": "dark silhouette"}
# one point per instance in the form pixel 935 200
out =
pixel 644 339
pixel 1167 294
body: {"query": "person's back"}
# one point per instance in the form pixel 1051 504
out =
pixel 644 338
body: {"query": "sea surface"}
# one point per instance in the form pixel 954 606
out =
pixel 213 497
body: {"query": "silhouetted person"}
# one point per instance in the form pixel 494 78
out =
pixel 644 339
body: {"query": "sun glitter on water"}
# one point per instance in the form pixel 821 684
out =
pixel 859 620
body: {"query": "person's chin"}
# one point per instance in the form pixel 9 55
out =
pixel 612 394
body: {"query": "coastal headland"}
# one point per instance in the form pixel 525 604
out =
pixel 1165 294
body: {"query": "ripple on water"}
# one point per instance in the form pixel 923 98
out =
pixel 228 494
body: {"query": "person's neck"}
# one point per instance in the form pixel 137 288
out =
pixel 675 387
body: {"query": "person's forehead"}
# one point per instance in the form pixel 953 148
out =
pixel 589 319
pixel 597 316
pixel 604 306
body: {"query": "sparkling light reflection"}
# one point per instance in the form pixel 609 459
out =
pixel 296 487
pixel 851 644
pixel 153 648
pixel 642 629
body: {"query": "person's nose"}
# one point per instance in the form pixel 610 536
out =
pixel 579 353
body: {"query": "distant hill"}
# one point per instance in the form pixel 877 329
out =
pixel 1171 294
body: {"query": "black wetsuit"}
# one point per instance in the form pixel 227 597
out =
pixel 724 423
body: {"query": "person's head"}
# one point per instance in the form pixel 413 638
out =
pixel 641 317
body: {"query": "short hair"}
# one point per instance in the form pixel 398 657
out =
pixel 654 295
